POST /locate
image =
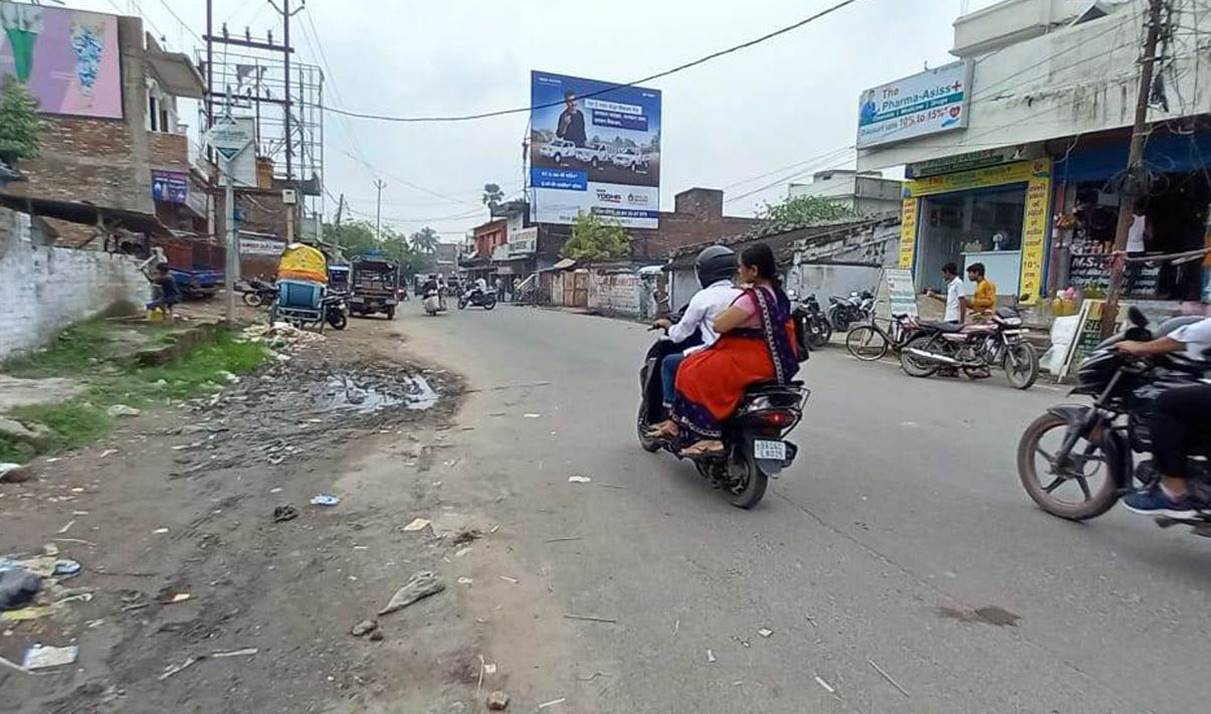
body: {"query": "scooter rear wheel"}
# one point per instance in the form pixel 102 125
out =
pixel 748 481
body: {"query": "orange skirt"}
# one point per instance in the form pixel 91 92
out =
pixel 711 383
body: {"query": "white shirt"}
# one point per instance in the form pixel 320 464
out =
pixel 707 304
pixel 482 285
pixel 1196 336
pixel 1135 234
pixel 954 296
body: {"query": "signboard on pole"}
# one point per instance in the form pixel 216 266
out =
pixel 930 102
pixel 595 149
pixel 900 291
pixel 229 137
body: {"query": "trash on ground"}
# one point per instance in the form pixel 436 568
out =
pixel 827 687
pixel 18 586
pixel 364 627
pixel 552 703
pixel 489 668
pixel 45 656
pixel 465 581
pixel 13 473
pixel 121 410
pixel 67 527
pixel 107 452
pixel 246 652
pixel 285 512
pixel 417 524
pixel 507 579
pixel 710 657
pixel 532 416
pixel 498 701
pixel 66 568
pixel 462 551
pixel 579 479
pixel 33 612
pixel 563 539
pixel 178 597
pixel 159 531
pixel 176 668
pixel 421 585
pixel 466 536
pixel 324 499
pixel 590 618
pixel 765 632
pixel 887 676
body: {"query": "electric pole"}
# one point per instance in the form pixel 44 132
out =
pixel 378 213
pixel 1131 186
pixel 340 208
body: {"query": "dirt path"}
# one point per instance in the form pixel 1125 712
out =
pixel 172 521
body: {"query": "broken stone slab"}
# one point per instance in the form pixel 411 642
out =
pixel 498 701
pixel 364 627
pixel 421 585
pixel 32 432
pixel 121 410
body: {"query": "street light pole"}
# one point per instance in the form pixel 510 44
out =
pixel 1131 181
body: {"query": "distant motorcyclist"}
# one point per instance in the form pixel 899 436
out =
pixel 716 267
pixel 1178 414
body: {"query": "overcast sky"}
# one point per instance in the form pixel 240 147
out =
pixel 737 123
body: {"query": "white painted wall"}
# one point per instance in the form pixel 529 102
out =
pixel 44 289
pixel 1074 80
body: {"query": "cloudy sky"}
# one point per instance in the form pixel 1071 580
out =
pixel 756 118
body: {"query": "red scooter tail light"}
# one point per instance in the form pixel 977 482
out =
pixel 776 419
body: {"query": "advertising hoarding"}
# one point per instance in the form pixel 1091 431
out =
pixel 594 148
pixel 931 102
pixel 68 59
pixel 169 186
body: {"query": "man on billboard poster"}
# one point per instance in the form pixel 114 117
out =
pixel 571 121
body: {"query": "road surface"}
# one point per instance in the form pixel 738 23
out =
pixel 902 516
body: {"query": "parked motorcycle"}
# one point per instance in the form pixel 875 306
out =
pixel 973 348
pixel 257 292
pixel 754 438
pixel 336 310
pixel 843 312
pixel 1100 440
pixel 814 327
pixel 477 298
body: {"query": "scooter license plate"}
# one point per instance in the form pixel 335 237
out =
pixel 769 450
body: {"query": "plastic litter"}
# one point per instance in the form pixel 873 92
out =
pixel 43 656
pixel 324 499
pixel 579 479
pixel 421 585
pixel 17 585
pixel 417 524
pixel 286 512
pixel 66 568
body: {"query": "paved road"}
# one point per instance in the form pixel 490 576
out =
pixel 902 514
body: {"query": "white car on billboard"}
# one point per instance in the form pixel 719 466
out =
pixel 593 155
pixel 630 159
pixel 559 150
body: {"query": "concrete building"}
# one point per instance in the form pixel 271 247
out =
pixel 1013 153
pixel 866 193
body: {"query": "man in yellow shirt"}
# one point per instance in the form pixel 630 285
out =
pixel 984 301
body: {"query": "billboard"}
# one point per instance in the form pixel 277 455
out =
pixel 933 101
pixel 594 148
pixel 68 59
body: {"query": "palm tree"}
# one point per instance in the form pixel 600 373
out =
pixel 425 240
pixel 492 195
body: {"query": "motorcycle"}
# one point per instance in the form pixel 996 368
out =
pixel 477 298
pixel 336 310
pixel 257 292
pixel 1102 438
pixel 973 348
pixel 843 312
pixel 432 301
pixel 815 330
pixel 754 437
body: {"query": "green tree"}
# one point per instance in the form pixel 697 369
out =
pixel 493 195
pixel 425 240
pixel 356 237
pixel 803 210
pixel 596 239
pixel 20 128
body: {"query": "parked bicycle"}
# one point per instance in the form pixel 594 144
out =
pixel 870 341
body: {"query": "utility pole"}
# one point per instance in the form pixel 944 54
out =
pixel 340 208
pixel 1130 190
pixel 378 213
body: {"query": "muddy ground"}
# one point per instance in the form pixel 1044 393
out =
pixel 172 519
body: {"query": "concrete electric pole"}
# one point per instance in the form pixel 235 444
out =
pixel 378 213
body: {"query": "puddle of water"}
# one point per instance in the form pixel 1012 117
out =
pixel 347 393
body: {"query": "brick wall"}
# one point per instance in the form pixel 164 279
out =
pixel 44 289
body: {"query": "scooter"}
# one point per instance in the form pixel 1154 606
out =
pixel 432 302
pixel 755 448
pixel 336 310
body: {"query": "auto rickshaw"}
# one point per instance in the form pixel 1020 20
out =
pixel 302 280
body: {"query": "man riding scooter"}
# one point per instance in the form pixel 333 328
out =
pixel 715 266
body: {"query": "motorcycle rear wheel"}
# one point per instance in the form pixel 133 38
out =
pixel 1095 503
pixel 866 343
pixel 490 304
pixel 1021 365
pixel 747 487
pixel 252 299
pixel 910 365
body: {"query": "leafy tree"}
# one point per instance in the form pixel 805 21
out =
pixel 596 239
pixel 356 237
pixel 493 195
pixel 20 128
pixel 804 209
pixel 425 240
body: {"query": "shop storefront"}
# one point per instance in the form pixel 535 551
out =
pixel 997 216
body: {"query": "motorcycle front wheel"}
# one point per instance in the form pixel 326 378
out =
pixel 822 335
pixel 911 365
pixel 1021 365
pixel 462 304
pixel 338 320
pixel 1048 484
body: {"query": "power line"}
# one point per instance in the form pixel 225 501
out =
pixel 679 68
pixel 180 21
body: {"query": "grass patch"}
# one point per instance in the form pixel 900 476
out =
pixel 87 353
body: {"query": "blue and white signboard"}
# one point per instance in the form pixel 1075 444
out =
pixel 594 148
pixel 931 102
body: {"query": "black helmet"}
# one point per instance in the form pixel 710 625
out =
pixel 715 263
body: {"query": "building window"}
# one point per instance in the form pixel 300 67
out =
pixel 153 111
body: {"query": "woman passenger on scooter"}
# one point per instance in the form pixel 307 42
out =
pixel 756 344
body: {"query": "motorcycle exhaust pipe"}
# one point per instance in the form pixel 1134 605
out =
pixel 924 356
